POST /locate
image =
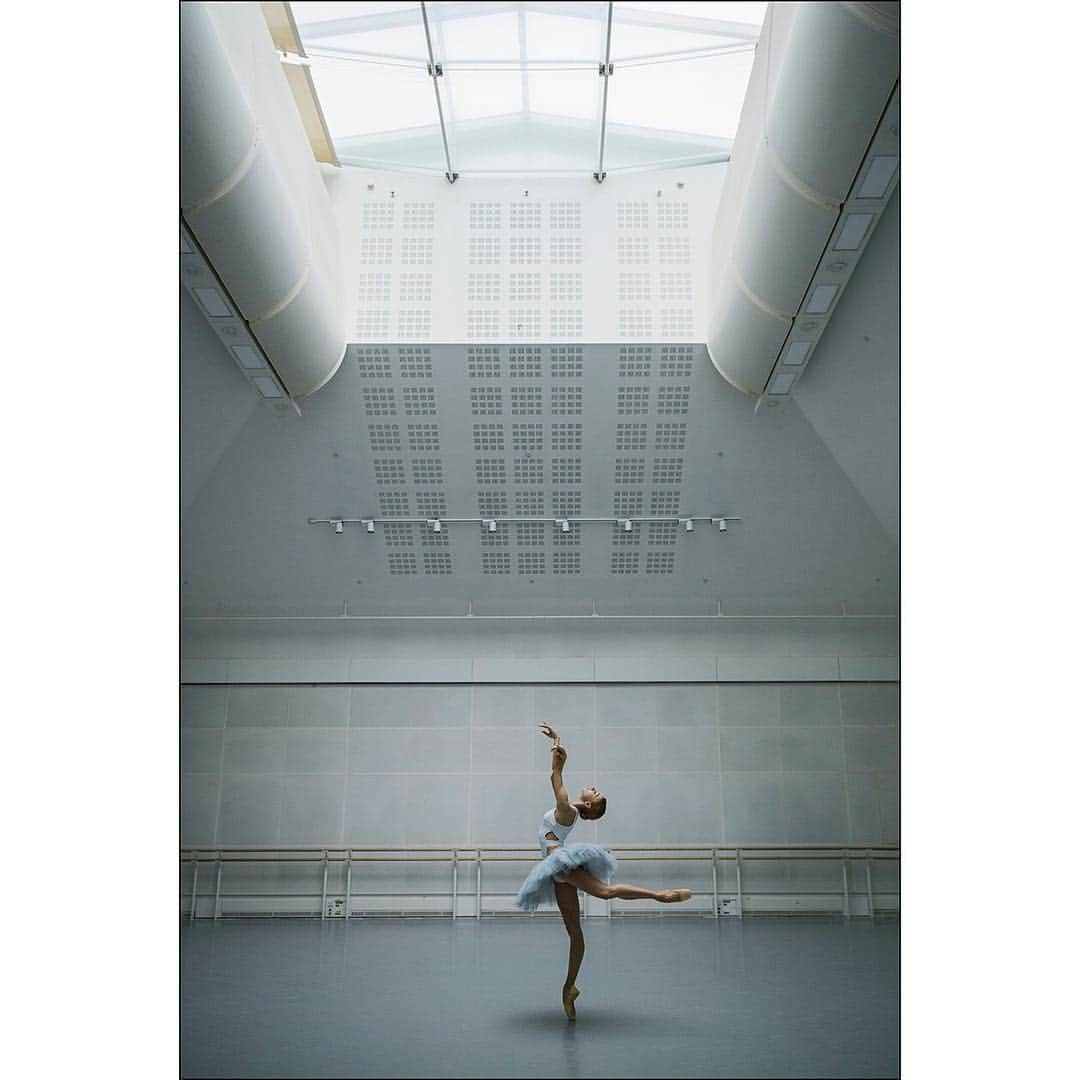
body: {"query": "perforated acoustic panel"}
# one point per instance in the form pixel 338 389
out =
pixel 532 406
pixel 560 260
pixel 536 432
pixel 530 353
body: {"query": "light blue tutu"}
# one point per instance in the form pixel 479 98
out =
pixel 539 886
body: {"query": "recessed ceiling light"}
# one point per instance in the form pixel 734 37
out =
pixel 797 352
pixel 821 299
pixel 878 177
pixel 212 303
pixel 248 357
pixel 836 267
pixel 782 381
pixel 852 232
pixel 266 386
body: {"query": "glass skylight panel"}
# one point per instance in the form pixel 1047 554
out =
pixel 361 98
pixel 573 94
pixel 479 38
pixel 395 47
pixel 310 11
pixel 520 86
pixel 701 96
pixel 565 39
pixel 529 146
pixel 632 42
pixel 479 94
pixel 718 10
pixel 392 32
pixel 629 147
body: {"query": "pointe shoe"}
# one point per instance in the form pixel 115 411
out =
pixel 677 896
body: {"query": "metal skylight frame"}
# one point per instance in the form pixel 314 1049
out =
pixel 339 41
pixel 606 72
pixel 435 71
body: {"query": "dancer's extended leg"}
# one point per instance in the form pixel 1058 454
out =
pixel 566 896
pixel 583 880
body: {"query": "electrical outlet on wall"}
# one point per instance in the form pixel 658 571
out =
pixel 335 909
pixel 728 906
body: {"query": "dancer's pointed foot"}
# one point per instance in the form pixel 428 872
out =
pixel 569 996
pixel 675 896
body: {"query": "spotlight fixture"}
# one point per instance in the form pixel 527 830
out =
pixel 491 524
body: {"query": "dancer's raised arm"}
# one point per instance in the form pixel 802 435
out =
pixel 564 812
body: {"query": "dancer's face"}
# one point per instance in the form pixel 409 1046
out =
pixel 590 795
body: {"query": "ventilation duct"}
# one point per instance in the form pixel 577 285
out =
pixel 252 195
pixel 824 76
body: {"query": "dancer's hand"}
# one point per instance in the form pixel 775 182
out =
pixel 550 732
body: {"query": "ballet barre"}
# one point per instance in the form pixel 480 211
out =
pixel 323 856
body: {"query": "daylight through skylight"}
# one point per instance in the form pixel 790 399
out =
pixel 521 86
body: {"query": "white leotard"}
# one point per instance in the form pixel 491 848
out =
pixel 549 824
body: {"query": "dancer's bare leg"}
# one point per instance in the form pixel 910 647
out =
pixel 584 881
pixel 567 898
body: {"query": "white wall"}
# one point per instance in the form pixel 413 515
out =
pixel 851 390
pixel 402 765
pixel 322 649
pixel 215 400
pixel 462 763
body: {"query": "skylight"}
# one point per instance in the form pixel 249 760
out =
pixel 522 85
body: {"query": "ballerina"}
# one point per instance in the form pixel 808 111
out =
pixel 567 868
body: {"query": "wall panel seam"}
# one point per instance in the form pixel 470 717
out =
pixel 564 682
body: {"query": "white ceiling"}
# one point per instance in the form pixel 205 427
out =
pixel 815 485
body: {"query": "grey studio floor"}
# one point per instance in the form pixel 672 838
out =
pixel 663 997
